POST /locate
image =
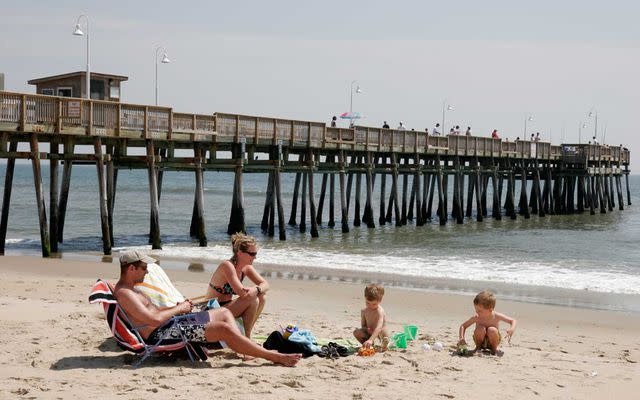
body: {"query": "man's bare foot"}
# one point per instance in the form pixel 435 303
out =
pixel 288 360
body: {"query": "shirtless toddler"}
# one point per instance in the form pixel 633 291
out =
pixel 487 333
pixel 373 318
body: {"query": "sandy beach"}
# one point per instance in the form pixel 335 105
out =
pixel 57 346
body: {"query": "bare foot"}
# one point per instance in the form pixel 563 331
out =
pixel 385 343
pixel 288 360
pixel 245 357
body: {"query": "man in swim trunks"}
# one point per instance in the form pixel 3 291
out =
pixel 207 326
pixel 487 333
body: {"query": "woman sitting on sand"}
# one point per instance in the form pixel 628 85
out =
pixel 227 281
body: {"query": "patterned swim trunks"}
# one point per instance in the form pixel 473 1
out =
pixel 189 326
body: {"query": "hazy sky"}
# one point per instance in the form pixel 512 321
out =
pixel 494 61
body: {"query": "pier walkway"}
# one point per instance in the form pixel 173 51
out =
pixel 551 179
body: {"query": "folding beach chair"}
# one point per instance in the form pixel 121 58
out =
pixel 127 335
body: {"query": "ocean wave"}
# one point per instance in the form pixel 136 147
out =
pixel 554 275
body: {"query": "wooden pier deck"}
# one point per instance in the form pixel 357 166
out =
pixel 554 179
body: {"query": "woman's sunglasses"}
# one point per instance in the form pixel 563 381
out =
pixel 251 253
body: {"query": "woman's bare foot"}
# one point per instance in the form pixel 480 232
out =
pixel 288 360
pixel 245 357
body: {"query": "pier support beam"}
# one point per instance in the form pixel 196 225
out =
pixel 200 230
pixel 332 190
pixel 312 204
pixel 153 196
pixel 356 208
pixel 66 184
pixel 6 195
pixel 368 205
pixel 102 191
pixel 37 180
pixel 53 195
pixel 344 221
pixel 383 192
pixel 495 208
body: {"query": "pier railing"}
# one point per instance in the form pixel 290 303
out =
pixel 50 114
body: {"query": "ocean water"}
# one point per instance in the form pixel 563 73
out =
pixel 582 260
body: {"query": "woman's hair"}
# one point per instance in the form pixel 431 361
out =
pixel 241 242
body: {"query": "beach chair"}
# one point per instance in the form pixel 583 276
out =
pixel 127 335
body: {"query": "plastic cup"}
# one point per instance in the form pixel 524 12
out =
pixel 399 340
pixel 411 331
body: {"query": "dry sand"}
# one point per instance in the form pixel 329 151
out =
pixel 55 345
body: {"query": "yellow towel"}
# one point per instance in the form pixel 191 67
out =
pixel 158 287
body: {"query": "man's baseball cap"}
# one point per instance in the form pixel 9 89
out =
pixel 133 256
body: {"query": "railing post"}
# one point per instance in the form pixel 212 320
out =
pixel 58 115
pixel 237 138
pixel 119 121
pixel 309 135
pixel 255 141
pixel 170 122
pixel 23 112
pixel 90 122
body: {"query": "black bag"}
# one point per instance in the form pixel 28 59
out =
pixel 277 342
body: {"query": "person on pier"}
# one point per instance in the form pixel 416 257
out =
pixel 227 279
pixel 156 324
pixel 334 121
pixel 494 134
pixel 436 130
pixel 385 125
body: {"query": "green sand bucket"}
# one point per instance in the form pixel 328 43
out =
pixel 411 332
pixel 399 340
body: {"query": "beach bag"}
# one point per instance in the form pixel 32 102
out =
pixel 277 342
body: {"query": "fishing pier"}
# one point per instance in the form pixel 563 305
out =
pixel 461 173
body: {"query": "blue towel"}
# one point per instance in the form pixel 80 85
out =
pixel 306 338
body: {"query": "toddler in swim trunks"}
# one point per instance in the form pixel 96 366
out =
pixel 487 333
pixel 373 319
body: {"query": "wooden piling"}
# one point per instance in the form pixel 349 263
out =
pixel 66 184
pixel 153 196
pixel 111 189
pixel 470 186
pixel 332 188
pixel 619 193
pixel 538 192
pixel 495 208
pixel 590 195
pixel 523 193
pixel 294 200
pixel 282 234
pixel 511 209
pixel 272 207
pixel 264 224
pixel 323 190
pixel 356 209
pixel 394 189
pixel 37 180
pixel 580 206
pixel 53 194
pixel 601 200
pixel 442 211
pixel 303 204
pixel 611 191
pixel 425 194
pixel 6 194
pixel 201 232
pixel 457 184
pixel 368 207
pixel 405 184
pixel 312 204
pixel 417 182
pixel 626 176
pixel 383 188
pixel 478 189
pixel 343 200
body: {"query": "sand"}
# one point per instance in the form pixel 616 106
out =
pixel 57 346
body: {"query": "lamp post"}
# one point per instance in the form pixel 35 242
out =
pixel 593 113
pixel 580 127
pixel 448 107
pixel 528 118
pixel 78 32
pixel 165 60
pixel 358 91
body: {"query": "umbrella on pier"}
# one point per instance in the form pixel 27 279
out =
pixel 350 115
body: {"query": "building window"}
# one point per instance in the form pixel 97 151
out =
pixel 48 92
pixel 114 90
pixel 65 91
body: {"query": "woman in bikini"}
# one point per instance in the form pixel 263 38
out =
pixel 227 281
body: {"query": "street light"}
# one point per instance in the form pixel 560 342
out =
pixel 165 60
pixel 448 107
pixel 594 113
pixel 528 118
pixel 358 91
pixel 78 32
